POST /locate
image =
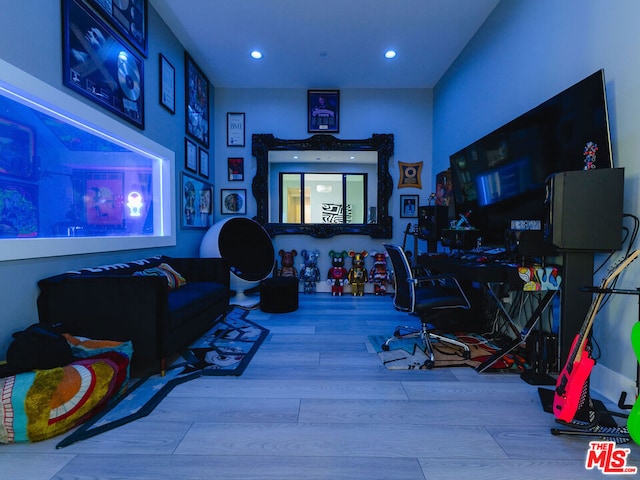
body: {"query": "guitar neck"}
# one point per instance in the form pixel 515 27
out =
pixel 616 270
pixel 415 246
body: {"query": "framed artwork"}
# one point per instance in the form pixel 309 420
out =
pixel 190 155
pixel 233 201
pixel 235 129
pixel 196 101
pixel 235 166
pixel 167 84
pixel 129 18
pixel 409 206
pixel 99 65
pixel 17 151
pixel 104 199
pixel 19 213
pixel 197 203
pixel 410 175
pixel 444 188
pixel 203 162
pixel 323 111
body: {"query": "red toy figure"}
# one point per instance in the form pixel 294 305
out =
pixel 379 274
pixel 358 274
pixel 337 272
pixel 287 269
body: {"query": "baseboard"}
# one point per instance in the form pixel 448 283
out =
pixel 610 384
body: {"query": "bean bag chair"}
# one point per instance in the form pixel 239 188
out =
pixel 41 404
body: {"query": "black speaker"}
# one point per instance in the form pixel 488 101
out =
pixel 432 219
pixel 583 210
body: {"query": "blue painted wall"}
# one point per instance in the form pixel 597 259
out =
pixel 526 52
pixel 30 39
pixel 283 112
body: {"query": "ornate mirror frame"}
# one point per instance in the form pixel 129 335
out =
pixel 261 144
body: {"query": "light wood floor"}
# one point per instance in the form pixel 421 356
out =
pixel 315 403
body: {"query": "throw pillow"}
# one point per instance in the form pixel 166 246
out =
pixel 174 279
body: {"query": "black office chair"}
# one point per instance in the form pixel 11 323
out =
pixel 427 297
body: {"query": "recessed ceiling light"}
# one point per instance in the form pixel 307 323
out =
pixel 256 54
pixel 390 54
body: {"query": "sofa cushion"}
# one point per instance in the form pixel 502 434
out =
pixel 192 299
pixel 113 269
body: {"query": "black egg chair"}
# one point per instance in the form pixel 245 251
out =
pixel 247 248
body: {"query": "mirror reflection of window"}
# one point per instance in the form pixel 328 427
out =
pixel 328 198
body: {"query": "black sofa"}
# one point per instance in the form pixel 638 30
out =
pixel 112 302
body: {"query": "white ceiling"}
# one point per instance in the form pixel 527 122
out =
pixel 325 44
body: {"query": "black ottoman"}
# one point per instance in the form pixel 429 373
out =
pixel 279 294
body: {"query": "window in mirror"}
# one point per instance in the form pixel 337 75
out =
pixel 337 198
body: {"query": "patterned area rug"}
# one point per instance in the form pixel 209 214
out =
pixel 408 354
pixel 226 349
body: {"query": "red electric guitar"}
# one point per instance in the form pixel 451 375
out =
pixel 578 367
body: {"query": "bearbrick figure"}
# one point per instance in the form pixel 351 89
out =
pixel 337 273
pixel 379 275
pixel 309 271
pixel 287 268
pixel 358 273
pixel 589 153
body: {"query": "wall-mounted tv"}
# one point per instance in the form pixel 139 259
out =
pixel 501 177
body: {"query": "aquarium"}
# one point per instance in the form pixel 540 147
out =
pixel 73 180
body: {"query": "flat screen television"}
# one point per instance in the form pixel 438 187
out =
pixel 501 177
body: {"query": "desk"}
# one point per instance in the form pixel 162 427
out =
pixel 487 273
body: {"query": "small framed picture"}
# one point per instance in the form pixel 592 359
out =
pixel 235 129
pixel 409 206
pixel 236 169
pixel 203 162
pixel 323 107
pixel 410 175
pixel 233 201
pixel 197 203
pixel 167 84
pixel 190 155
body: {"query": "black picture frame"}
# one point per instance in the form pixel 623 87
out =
pixel 167 76
pixel 190 156
pixel 99 65
pixel 323 111
pixel 235 167
pixel 233 201
pixel 235 129
pixel 203 162
pixel 128 18
pixel 196 101
pixel 409 206
pixel 197 203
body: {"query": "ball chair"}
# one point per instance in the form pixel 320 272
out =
pixel 247 248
